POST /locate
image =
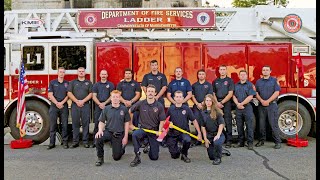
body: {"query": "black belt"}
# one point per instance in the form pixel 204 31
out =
pixel 116 134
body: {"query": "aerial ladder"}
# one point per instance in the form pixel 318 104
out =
pixel 261 23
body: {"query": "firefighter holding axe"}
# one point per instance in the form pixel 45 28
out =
pixel 180 114
pixel 152 117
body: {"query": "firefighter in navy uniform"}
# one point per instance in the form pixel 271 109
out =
pixel 179 84
pixel 243 94
pixel 80 92
pixel 101 96
pixel 152 116
pixel 212 125
pixel 180 115
pixel 223 91
pixel 57 93
pixel 157 79
pixel 268 91
pixel 114 127
pixel 130 92
pixel 199 90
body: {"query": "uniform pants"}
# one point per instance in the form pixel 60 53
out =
pixel 172 142
pixel 215 148
pixel 270 112
pixel 228 120
pixel 82 113
pixel 63 114
pixel 247 114
pixel 116 143
pixel 97 113
pixel 137 137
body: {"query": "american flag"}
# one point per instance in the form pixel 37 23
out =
pixel 21 106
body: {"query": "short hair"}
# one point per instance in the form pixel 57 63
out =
pixel 178 92
pixel 81 68
pixel 267 67
pixel 115 92
pixel 152 86
pixel 62 68
pixel 104 70
pixel 178 68
pixel 201 70
pixel 222 65
pixel 153 61
pixel 128 69
pixel 243 71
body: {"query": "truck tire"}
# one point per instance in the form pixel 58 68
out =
pixel 287 120
pixel 38 115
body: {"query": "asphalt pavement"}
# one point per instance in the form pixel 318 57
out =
pixel 262 163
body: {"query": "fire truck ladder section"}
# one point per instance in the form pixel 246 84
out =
pixel 262 23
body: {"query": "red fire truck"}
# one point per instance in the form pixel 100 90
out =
pixel 115 39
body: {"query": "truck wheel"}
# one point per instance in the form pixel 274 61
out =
pixel 37 122
pixel 234 126
pixel 288 120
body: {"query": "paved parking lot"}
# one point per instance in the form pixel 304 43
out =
pixel 263 163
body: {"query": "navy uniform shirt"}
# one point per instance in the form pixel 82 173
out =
pixel 80 89
pixel 242 91
pixel 103 90
pixel 180 116
pixel 221 87
pixel 266 87
pixel 201 90
pixel 159 80
pixel 211 125
pixel 58 89
pixel 114 118
pixel 182 85
pixel 150 115
pixel 128 89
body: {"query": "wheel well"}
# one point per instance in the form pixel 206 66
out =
pixel 301 101
pixel 14 104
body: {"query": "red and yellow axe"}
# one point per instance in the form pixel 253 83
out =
pixel 147 130
pixel 167 124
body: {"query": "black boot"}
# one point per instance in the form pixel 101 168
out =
pixel 260 143
pixel 216 161
pixel 51 146
pixel 136 160
pixel 100 161
pixel 185 158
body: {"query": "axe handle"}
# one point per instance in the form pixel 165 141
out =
pixel 183 131
pixel 148 130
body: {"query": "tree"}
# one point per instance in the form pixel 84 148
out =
pixel 7 5
pixel 252 3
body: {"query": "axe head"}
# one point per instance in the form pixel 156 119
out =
pixel 166 123
pixel 166 129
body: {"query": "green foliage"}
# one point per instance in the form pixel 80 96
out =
pixel 7 5
pixel 252 3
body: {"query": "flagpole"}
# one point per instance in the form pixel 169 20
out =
pixel 298 82
pixel 18 97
